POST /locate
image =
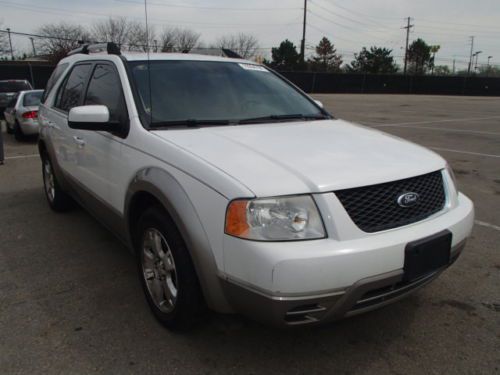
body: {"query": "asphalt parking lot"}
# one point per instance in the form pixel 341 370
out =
pixel 70 300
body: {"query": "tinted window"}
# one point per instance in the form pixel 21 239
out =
pixel 58 71
pixel 72 93
pixel 208 90
pixel 14 86
pixel 32 98
pixel 105 89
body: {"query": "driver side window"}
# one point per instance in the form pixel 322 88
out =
pixel 105 88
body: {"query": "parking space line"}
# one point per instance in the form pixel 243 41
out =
pixel 22 156
pixel 487 225
pixel 465 152
pixel 439 129
pixel 435 121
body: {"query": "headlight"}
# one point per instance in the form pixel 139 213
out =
pixel 275 219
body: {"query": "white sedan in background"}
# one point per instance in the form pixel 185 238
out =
pixel 21 114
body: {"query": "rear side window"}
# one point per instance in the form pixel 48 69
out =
pixel 14 86
pixel 72 93
pixel 105 88
pixel 58 71
pixel 32 98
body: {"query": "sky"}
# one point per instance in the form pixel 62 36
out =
pixel 349 24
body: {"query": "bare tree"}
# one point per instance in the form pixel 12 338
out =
pixel 140 38
pixel 4 42
pixel 60 39
pixel 114 29
pixel 245 45
pixel 187 39
pixel 174 39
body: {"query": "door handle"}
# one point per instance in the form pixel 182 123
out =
pixel 79 141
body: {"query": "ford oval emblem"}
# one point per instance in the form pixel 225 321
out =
pixel 408 199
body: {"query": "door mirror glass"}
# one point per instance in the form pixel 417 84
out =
pixel 90 117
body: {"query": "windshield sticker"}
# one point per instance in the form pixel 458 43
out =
pixel 257 68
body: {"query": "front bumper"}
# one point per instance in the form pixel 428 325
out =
pixel 365 295
pixel 319 281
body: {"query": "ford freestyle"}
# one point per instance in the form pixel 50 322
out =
pixel 237 192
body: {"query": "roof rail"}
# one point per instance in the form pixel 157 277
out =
pixel 109 47
pixel 231 54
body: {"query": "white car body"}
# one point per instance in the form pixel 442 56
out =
pixel 197 172
pixel 14 115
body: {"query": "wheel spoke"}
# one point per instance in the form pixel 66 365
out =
pixel 149 274
pixel 159 270
pixel 157 245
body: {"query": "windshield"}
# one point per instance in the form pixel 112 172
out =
pixel 14 86
pixel 205 92
pixel 32 98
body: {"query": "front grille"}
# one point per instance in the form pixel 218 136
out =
pixel 375 208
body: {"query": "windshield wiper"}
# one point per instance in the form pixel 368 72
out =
pixel 281 118
pixel 190 123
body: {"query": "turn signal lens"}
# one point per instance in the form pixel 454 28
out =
pixel 236 218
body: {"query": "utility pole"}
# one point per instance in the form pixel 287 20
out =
pixel 408 28
pixel 454 62
pixel 477 58
pixel 488 66
pixel 303 43
pixel 33 45
pixel 10 43
pixel 471 52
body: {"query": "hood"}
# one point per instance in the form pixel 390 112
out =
pixel 304 157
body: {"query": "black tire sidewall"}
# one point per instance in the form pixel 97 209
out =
pixel 189 305
pixel 62 202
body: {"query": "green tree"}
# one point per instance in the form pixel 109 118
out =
pixel 376 60
pixel 442 70
pixel 326 58
pixel 285 57
pixel 419 57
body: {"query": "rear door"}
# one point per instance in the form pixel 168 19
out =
pixel 64 139
pixel 99 151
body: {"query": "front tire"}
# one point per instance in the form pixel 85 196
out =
pixel 58 200
pixel 167 273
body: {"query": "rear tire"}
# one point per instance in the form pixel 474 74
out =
pixel 58 200
pixel 167 273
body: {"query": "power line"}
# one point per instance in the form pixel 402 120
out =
pixel 170 5
pixel 43 9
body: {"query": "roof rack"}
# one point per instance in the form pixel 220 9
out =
pixel 109 47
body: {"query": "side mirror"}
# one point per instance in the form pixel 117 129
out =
pixel 320 104
pixel 90 117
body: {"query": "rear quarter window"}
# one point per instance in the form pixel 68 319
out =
pixel 56 74
pixel 32 99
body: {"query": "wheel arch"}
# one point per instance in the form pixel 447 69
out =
pixel 156 186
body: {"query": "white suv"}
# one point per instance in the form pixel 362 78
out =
pixel 240 193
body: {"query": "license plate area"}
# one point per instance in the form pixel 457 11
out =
pixel 427 255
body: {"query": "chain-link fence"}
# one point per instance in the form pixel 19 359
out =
pixel 311 82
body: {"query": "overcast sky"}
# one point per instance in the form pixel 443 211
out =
pixel 349 24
